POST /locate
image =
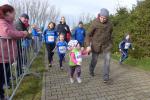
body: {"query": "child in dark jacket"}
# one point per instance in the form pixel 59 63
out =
pixel 50 36
pixel 124 45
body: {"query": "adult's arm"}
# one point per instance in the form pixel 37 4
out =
pixel 90 33
pixel 12 32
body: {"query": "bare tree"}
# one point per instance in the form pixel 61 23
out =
pixel 85 18
pixel 40 12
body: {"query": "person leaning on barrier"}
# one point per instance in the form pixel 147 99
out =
pixel 22 24
pixel 7 16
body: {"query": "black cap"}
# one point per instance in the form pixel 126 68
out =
pixel 25 16
pixel 80 22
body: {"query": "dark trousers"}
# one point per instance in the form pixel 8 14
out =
pixel 61 58
pixel 19 58
pixel 50 48
pixel 2 77
pixel 76 69
pixel 124 55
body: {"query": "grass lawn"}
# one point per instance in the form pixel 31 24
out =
pixel 31 86
pixel 139 63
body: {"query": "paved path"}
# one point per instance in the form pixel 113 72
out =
pixel 127 84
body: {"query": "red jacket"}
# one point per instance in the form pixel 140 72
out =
pixel 8 30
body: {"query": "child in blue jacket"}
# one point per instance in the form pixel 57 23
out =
pixel 50 36
pixel 61 49
pixel 124 45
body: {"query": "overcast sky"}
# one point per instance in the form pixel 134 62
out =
pixel 74 8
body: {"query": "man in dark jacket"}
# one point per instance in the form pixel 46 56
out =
pixel 64 28
pixel 21 25
pixel 99 40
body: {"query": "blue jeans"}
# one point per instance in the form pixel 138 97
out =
pixel 36 43
pixel 61 58
pixel 106 66
pixel 124 55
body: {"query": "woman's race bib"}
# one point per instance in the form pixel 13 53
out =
pixel 62 49
pixel 50 38
pixel 127 45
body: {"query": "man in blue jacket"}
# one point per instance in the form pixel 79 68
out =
pixel 79 34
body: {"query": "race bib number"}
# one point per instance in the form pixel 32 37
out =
pixel 127 45
pixel 50 38
pixel 78 57
pixel 62 49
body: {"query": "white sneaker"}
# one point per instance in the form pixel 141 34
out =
pixel 71 80
pixel 79 80
pixel 61 68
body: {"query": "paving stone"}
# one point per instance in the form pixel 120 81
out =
pixel 127 83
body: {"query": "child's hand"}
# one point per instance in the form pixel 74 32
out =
pixel 120 50
pixel 88 49
pixel 79 63
pixel 82 48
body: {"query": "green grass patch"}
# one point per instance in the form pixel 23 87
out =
pixel 139 63
pixel 31 86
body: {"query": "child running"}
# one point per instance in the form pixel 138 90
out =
pixel 61 49
pixel 50 36
pixel 124 45
pixel 75 60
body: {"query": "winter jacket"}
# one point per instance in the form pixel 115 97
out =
pixel 64 28
pixel 125 45
pixel 100 36
pixel 50 36
pixel 79 34
pixel 8 30
pixel 34 32
pixel 22 27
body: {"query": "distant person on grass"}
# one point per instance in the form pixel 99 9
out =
pixel 124 45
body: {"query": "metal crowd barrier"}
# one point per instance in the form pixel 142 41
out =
pixel 16 70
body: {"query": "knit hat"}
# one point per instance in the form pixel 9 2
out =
pixel 104 12
pixel 72 43
pixel 25 16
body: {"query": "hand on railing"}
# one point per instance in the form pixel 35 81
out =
pixel 26 33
